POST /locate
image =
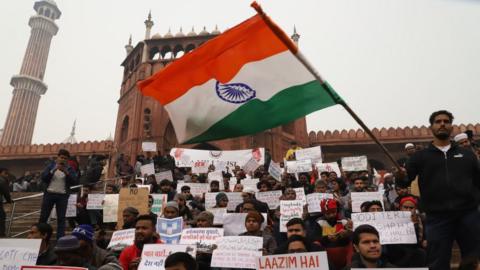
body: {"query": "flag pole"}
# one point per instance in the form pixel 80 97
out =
pixel 294 49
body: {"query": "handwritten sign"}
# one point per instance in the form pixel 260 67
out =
pixel 275 171
pixel 95 201
pixel 360 197
pixel 351 164
pixel 314 199
pixel 72 206
pixel 296 261
pixel 121 239
pixel 328 167
pixel 147 169
pixel 164 175
pixel 289 210
pixel 218 214
pixel 170 230
pixel 216 176
pixel 313 153
pixel 250 183
pixel 196 189
pixel 234 223
pixel 110 208
pixel 159 202
pixel 250 166
pixel 154 255
pixel 17 252
pixel 234 199
pixel 298 166
pixel 203 238
pixel 149 146
pixel 300 195
pixel 132 197
pixel 272 198
pixel 237 251
pixel 395 227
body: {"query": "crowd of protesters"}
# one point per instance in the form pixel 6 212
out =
pixel 448 175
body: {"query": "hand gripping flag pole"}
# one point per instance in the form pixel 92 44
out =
pixel 293 48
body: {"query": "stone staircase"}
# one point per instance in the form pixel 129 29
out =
pixel 21 208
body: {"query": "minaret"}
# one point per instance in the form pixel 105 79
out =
pixel 148 25
pixel 29 85
pixel 129 46
pixel 295 37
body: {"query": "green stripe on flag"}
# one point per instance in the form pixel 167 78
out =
pixel 284 107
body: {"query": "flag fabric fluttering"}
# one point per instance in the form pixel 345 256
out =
pixel 241 82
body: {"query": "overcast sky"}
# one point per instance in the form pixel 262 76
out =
pixel 394 62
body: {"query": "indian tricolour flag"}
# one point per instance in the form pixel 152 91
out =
pixel 244 81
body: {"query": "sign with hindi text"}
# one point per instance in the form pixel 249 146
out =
pixel 313 153
pixel 121 239
pixel 237 251
pixel 203 238
pixel 298 166
pixel 154 255
pixel 272 198
pixel 15 252
pixel 352 164
pixel 95 201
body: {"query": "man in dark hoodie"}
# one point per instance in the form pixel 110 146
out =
pixel 449 181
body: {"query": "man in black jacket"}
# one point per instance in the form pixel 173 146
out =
pixel 4 193
pixel 449 181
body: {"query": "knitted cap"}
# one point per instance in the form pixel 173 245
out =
pixel 84 232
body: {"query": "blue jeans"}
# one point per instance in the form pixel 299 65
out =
pixel 60 201
pixel 442 229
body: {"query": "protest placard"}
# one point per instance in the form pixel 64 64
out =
pixel 164 175
pixel 216 176
pixel 328 167
pixel 121 239
pixel 395 227
pixel 132 197
pixel 298 166
pixel 196 189
pixel 360 197
pixel 275 170
pixel 51 267
pixel 272 198
pixel 200 167
pixel 149 146
pixel 72 206
pixel 295 261
pixel 159 202
pixel 250 166
pixel 170 230
pixel 187 157
pixel 203 238
pixel 351 164
pixel 110 208
pixel 154 255
pixel 237 251
pixel 17 252
pixel 234 199
pixel 218 214
pixel 314 199
pixel 234 223
pixel 250 183
pixel 300 195
pixel 95 201
pixel 313 153
pixel 147 169
pixel 289 210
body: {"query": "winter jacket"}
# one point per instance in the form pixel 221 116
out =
pixel 447 182
pixel 130 253
pixel 70 176
pixel 102 257
pixel 357 263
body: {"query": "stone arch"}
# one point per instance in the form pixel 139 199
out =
pixel 178 51
pixel 189 48
pixel 154 54
pixel 166 52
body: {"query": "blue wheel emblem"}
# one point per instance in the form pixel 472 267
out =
pixel 234 92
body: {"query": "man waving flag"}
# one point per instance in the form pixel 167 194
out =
pixel 244 81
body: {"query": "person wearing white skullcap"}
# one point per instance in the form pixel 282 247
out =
pixel 462 140
pixel 410 149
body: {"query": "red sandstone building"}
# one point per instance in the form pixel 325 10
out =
pixel 141 118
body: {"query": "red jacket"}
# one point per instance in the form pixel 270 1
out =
pixel 130 253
